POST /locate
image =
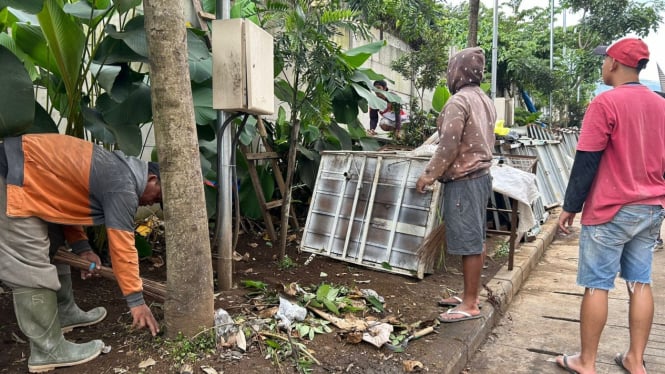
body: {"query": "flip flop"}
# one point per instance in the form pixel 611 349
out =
pixel 458 301
pixel 565 365
pixel 618 359
pixel 466 316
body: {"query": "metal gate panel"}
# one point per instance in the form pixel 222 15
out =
pixel 365 210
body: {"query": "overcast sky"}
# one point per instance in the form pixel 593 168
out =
pixel 656 49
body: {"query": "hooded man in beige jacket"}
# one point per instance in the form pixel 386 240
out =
pixel 462 163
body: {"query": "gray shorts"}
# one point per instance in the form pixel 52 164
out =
pixel 464 212
pixel 24 250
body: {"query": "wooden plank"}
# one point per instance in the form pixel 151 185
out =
pixel 263 135
pixel 261 155
pixel 513 232
pixel 256 182
pixel 273 204
pixel 203 24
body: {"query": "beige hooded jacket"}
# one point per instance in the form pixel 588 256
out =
pixel 466 123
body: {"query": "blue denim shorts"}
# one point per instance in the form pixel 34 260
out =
pixel 623 245
pixel 464 208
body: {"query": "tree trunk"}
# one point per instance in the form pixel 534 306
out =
pixel 472 37
pixel 288 181
pixel 189 304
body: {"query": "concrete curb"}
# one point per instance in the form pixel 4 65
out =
pixel 503 287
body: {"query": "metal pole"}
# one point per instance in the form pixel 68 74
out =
pixel 495 47
pixel 551 54
pixel 224 180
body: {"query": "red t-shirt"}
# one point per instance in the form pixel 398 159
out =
pixel 628 124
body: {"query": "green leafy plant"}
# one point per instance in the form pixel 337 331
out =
pixel 290 349
pixel 333 299
pixel 312 327
pixel 524 117
pixel 184 349
pixel 421 126
pixel 254 285
pixel 286 263
pixel 502 250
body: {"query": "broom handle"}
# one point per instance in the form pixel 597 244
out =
pixel 150 288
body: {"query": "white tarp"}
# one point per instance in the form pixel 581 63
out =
pixel 521 186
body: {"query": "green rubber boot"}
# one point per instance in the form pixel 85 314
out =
pixel 37 315
pixel 71 316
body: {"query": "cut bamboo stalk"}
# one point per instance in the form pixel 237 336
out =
pixel 151 288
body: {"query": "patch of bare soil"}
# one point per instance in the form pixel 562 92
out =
pixel 408 299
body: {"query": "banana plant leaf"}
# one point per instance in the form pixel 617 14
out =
pixel 355 57
pixel 94 122
pixel 203 110
pixel 43 122
pixel 125 6
pixel 134 110
pixel 65 39
pixel 133 35
pixel 249 204
pixel 30 6
pixel 345 105
pixel 17 101
pixel 125 83
pixel 113 51
pixel 245 9
pixel 341 135
pixel 30 39
pixel 86 13
pixel 7 42
pixel 105 75
pixel 372 100
pixel 440 97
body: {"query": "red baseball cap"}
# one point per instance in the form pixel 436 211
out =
pixel 628 51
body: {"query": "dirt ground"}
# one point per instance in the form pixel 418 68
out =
pixel 408 299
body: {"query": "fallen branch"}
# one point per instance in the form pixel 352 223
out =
pixel 287 339
pixel 151 288
pixel 341 323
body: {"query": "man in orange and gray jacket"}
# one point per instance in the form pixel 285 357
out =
pixel 57 179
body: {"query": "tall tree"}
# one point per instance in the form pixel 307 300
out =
pixel 472 36
pixel 311 70
pixel 190 302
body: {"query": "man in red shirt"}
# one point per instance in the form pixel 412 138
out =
pixel 618 177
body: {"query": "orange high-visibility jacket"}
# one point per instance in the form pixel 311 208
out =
pixel 69 181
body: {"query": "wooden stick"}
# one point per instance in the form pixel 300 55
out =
pixel 151 288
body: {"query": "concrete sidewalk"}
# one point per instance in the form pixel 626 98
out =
pixel 457 343
pixel 542 316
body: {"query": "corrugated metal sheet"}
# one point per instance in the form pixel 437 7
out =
pixel 555 160
pixel 365 210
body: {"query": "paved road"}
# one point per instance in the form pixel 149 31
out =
pixel 542 320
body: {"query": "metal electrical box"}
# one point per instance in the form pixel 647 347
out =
pixel 243 78
pixel 365 210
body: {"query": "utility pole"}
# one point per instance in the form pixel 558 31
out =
pixel 495 47
pixel 224 179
